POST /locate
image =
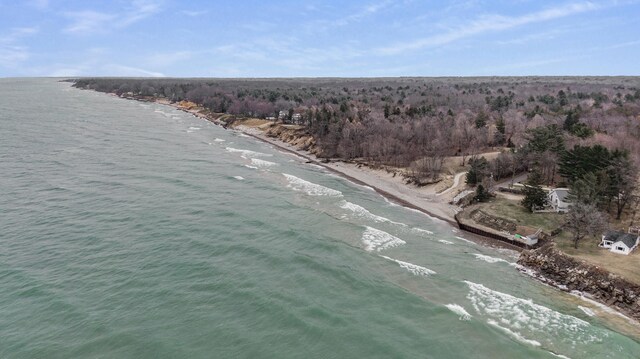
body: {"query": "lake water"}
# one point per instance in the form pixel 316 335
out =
pixel 132 230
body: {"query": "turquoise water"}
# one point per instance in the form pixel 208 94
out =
pixel 131 230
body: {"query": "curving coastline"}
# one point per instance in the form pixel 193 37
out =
pixel 541 264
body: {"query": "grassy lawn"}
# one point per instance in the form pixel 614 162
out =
pixel 625 266
pixel 512 210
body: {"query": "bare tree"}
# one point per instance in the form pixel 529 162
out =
pixel 585 220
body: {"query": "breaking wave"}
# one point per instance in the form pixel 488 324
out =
pixel 489 259
pixel 361 212
pixel 247 153
pixel 312 189
pixel 421 231
pixel 375 239
pixel 464 239
pixel 464 315
pixel 413 268
pixel 517 336
pixel 522 314
pixel 262 163
pixel 587 311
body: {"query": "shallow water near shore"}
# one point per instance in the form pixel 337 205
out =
pixel 135 230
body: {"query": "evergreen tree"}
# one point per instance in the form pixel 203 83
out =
pixel 477 170
pixel 534 197
pixel 546 138
pixel 481 119
pixel 482 195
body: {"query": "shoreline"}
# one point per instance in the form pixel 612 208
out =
pixel 350 175
pixel 393 197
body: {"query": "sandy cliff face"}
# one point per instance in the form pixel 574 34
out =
pixel 293 135
pixel 564 271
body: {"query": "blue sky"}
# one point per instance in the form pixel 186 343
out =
pixel 318 38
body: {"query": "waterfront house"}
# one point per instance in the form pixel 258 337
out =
pixel 619 242
pixel 558 200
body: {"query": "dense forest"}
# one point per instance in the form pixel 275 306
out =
pixel 566 130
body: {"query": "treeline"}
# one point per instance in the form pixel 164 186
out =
pixel 417 122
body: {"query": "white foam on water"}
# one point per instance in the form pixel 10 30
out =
pixel 522 314
pixel 316 166
pixel 247 153
pixel 413 268
pixel 528 271
pixel 193 128
pixel 312 189
pixel 489 259
pixel 509 253
pixel 219 140
pixel 600 306
pixel 176 118
pixel 361 212
pixel 392 204
pixel 444 241
pixel 464 239
pixel 375 239
pixel 243 134
pixel 293 154
pixel 517 336
pixel 587 311
pixel 252 167
pixel 262 163
pixel 559 355
pixel 165 114
pixel 421 231
pixel 239 178
pixel 464 315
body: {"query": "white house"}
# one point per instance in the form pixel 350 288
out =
pixel 558 199
pixel 620 242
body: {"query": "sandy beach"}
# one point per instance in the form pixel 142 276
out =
pixel 393 187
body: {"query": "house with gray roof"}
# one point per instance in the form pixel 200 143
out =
pixel 620 242
pixel 557 199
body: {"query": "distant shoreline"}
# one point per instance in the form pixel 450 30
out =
pixel 341 169
pixel 355 175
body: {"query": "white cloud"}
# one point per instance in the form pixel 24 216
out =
pixel 526 39
pixel 90 21
pixel 364 12
pixel 139 10
pixel 489 23
pixel 194 13
pixel 17 33
pixel 11 56
pixel 11 52
pixel 359 15
pixel 128 71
